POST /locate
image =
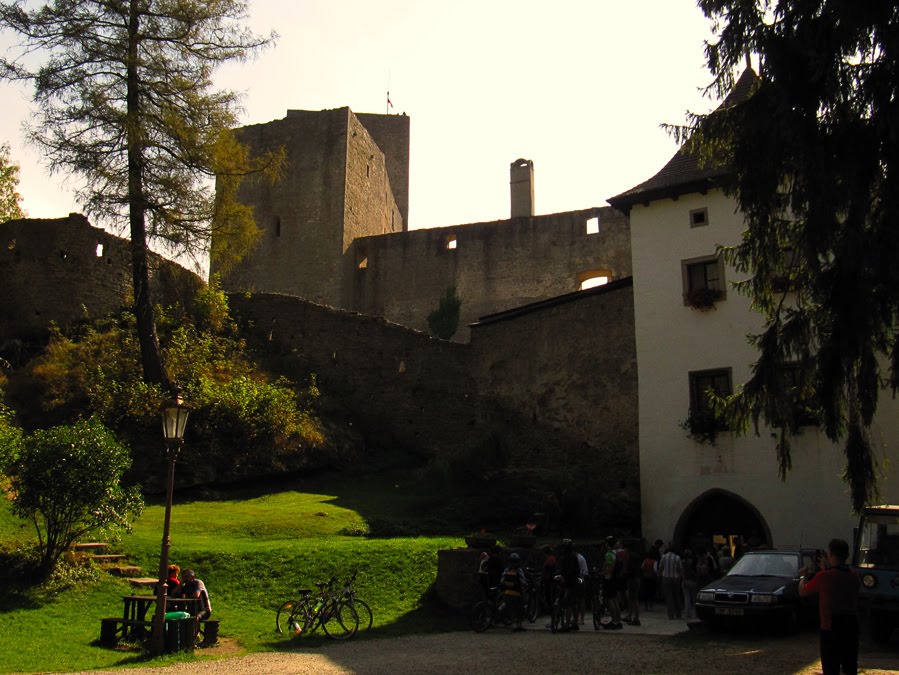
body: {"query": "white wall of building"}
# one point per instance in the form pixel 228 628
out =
pixel 813 504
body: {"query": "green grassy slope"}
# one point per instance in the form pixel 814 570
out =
pixel 253 550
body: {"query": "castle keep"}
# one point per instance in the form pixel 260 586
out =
pixel 335 230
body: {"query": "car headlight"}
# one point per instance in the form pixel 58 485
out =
pixel 706 596
pixel 869 581
pixel 763 599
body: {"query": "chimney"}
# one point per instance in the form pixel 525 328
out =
pixel 521 181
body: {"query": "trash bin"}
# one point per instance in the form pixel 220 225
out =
pixel 180 631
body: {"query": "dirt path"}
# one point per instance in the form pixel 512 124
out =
pixel 538 651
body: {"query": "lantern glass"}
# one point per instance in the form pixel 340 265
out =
pixel 174 420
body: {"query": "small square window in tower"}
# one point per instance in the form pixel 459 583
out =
pixel 593 225
pixel 451 242
pixel 699 217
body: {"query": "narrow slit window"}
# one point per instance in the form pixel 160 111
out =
pixel 99 250
pixel 363 262
pixel 277 226
pixel 451 242
pixel 593 225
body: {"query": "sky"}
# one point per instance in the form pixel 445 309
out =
pixel 580 87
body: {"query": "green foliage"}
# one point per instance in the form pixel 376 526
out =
pixel 10 440
pixel 444 321
pixel 68 484
pixel 242 421
pixel 814 154
pixel 9 181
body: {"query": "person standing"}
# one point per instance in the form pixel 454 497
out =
pixel 690 583
pixel 611 583
pixel 837 587
pixel 671 571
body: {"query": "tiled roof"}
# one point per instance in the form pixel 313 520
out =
pixel 683 173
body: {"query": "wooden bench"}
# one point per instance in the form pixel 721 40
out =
pixel 112 628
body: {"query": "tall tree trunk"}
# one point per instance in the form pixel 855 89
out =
pixel 151 356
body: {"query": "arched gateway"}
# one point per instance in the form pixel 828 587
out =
pixel 721 514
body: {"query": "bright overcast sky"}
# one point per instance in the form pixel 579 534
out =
pixel 578 86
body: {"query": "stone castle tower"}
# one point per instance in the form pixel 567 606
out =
pixel 346 176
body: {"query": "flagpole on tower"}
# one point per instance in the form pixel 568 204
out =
pixel 389 104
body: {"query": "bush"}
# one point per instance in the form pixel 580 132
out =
pixel 444 321
pixel 67 483
pixel 10 440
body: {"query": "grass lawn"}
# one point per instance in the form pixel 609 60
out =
pixel 253 549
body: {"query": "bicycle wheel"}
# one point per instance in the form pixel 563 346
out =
pixel 289 618
pixel 340 621
pixel 481 616
pixel 599 609
pixel 557 615
pixel 533 607
pixel 366 618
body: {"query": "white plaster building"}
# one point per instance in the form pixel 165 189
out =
pixel 688 488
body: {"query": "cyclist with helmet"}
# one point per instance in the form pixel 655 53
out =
pixel 514 585
pixel 570 569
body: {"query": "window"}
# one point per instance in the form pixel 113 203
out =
pixel 277 226
pixel 703 422
pixel 703 282
pixel 593 225
pixel 699 217
pixel 593 278
pixel 99 250
pixel 451 242
pixel 804 410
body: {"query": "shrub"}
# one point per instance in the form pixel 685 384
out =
pixel 68 484
pixel 10 440
pixel 444 321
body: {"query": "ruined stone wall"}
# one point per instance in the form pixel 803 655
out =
pixel 554 384
pixel 391 133
pixel 494 266
pixel 62 269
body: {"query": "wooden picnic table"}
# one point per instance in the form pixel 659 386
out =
pixel 135 624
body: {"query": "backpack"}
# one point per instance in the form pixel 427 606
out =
pixel 649 568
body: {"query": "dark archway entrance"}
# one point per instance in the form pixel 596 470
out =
pixel 717 515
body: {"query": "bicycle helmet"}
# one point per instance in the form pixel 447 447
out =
pixel 514 559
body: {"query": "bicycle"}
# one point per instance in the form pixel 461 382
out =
pixel 348 594
pixel 601 614
pixel 563 602
pixel 337 618
pixel 533 601
pixel 492 611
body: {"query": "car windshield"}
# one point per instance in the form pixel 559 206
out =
pixel 879 541
pixel 771 564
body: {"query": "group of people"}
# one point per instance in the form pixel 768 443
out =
pixel 680 575
pixel 184 584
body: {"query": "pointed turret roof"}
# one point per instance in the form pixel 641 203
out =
pixel 684 173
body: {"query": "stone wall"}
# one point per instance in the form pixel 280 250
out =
pixel 391 133
pixel 63 269
pixel 553 384
pixel 301 216
pixel 494 266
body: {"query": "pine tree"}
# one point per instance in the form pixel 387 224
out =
pixel 125 100
pixel 813 155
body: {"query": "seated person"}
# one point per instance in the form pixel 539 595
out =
pixel 191 587
pixel 171 582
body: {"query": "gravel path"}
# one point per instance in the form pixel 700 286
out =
pixel 538 651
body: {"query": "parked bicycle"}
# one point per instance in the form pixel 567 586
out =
pixel 563 612
pixel 601 614
pixel 326 608
pixel 533 601
pixel 493 611
pixel 348 594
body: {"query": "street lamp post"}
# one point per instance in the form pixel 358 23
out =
pixel 174 421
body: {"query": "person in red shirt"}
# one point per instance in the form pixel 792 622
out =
pixel 837 588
